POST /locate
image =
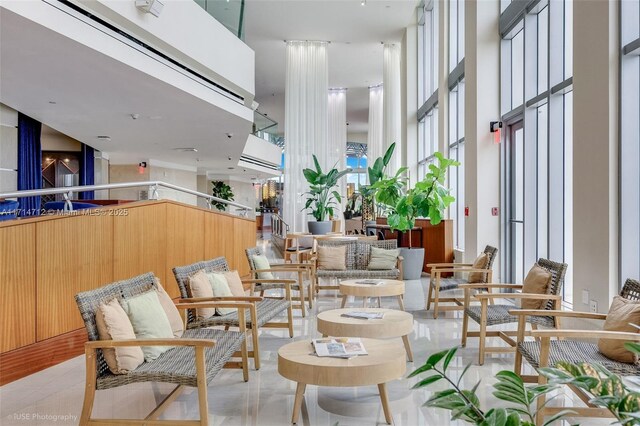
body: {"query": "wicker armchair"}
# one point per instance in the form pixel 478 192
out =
pixel 544 352
pixel 300 269
pixel 194 361
pixel 438 284
pixel 486 315
pixel 260 314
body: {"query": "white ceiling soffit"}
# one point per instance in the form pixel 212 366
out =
pixel 261 156
pixel 86 83
pixel 355 52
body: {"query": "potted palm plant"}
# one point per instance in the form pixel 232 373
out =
pixel 428 198
pixel 322 197
pixel 376 172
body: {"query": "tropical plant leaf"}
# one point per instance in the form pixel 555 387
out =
pixel 427 381
pixel 448 357
pixel 387 155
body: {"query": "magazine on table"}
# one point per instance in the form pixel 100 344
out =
pixel 339 348
pixel 363 315
pixel 370 282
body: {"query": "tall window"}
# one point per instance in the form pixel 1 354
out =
pixel 427 85
pixel 630 139
pixel 456 152
pixel 456 118
pixel 536 80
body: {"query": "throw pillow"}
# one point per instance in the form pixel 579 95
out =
pixel 201 287
pixel 382 259
pixel 332 258
pixel 260 261
pixel 220 288
pixel 149 321
pixel 536 282
pixel 481 262
pixel 235 283
pixel 621 313
pixel 175 319
pixel 113 324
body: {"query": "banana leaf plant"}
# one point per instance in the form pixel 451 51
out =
pixel 322 198
pixel 428 198
pixel 376 173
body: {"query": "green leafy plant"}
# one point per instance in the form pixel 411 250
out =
pixel 608 389
pixel 376 173
pixel 223 191
pixel 465 405
pixel 428 198
pixel 322 197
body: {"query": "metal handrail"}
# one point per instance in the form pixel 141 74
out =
pixel 153 184
pixel 277 225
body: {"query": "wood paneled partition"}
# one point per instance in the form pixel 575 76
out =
pixel 45 261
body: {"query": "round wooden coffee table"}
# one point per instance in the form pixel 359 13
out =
pixel 385 362
pixel 387 288
pixel 394 323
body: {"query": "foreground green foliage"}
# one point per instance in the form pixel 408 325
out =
pixel 322 197
pixel 608 392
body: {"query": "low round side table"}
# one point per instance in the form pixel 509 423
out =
pixel 393 324
pixel 387 288
pixel 385 362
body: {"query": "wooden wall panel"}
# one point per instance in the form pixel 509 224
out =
pixel 73 254
pixel 245 236
pixel 185 241
pixel 218 237
pixel 140 242
pixel 17 286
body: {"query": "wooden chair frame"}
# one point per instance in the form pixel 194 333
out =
pixel 544 337
pixel 199 346
pixel 485 299
pixel 437 269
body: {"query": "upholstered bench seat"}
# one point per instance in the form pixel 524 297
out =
pixel 177 365
pixel 266 310
pixel 575 352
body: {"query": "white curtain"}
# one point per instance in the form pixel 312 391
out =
pixel 392 100
pixel 334 152
pixel 305 130
pixel 375 142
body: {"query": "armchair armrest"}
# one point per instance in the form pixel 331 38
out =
pixel 551 313
pixel 530 296
pixel 281 269
pixel 292 265
pixel 99 344
pixel 221 299
pixel 490 286
pixel 447 265
pixel 274 281
pixel 194 305
pixel 591 334
pixel 465 269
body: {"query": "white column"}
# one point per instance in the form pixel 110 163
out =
pixel 375 145
pixel 410 100
pixel 482 105
pixel 334 152
pixel 307 83
pixel 391 86
pixel 595 151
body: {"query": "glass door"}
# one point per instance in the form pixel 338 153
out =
pixel 515 202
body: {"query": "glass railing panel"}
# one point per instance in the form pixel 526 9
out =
pixel 229 13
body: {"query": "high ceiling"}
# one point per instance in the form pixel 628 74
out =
pixel 356 34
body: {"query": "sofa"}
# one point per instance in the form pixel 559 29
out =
pixel 358 253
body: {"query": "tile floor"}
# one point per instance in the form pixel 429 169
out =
pixel 54 396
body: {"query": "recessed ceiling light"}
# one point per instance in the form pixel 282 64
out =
pixel 363 3
pixel 186 149
pixel 135 116
pixel 52 102
pixel 230 168
pixel 104 138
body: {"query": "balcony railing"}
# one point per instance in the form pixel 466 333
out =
pixel 229 13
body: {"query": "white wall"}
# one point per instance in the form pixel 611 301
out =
pixel 178 175
pixel 595 151
pixel 482 105
pixel 8 149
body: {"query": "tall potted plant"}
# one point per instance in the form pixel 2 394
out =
pixel 376 172
pixel 428 198
pixel 322 197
